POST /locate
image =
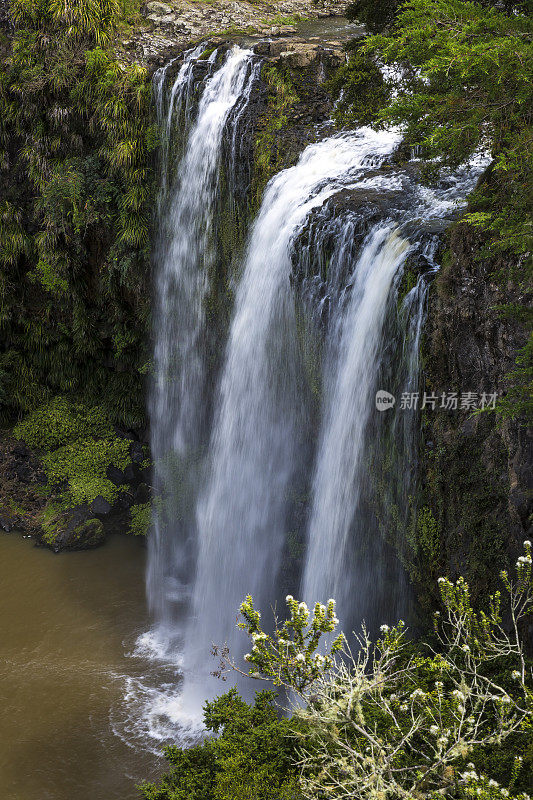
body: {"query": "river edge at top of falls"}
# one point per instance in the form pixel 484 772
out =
pixel 166 29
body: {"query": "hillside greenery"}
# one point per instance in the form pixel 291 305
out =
pixel 459 82
pixel 76 139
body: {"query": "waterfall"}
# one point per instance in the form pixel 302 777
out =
pixel 247 416
pixel 256 439
pixel 346 550
pixel 349 400
pixel 185 253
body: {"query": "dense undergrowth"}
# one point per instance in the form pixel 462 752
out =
pixel 77 444
pixel 76 141
pixel 389 720
pixel 460 76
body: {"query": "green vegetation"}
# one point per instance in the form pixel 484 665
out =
pixel 78 444
pixel 60 423
pixel 76 134
pixel 393 720
pixel 140 519
pixel 468 86
pixel 267 159
pixel 251 758
pixel 360 88
pixel 465 85
pixel 81 466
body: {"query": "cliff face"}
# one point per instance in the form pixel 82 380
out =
pixel 475 477
pixel 476 469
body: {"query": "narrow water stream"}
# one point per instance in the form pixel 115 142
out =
pixel 68 625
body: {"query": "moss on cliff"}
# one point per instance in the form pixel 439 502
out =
pixel 474 467
pixel 268 158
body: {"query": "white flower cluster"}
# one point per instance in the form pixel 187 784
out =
pixel 470 774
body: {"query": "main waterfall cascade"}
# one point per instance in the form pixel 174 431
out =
pixel 316 328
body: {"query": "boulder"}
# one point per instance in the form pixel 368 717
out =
pixel 73 529
pixel 168 19
pixel 298 59
pixel 136 452
pixel 158 9
pixel 142 494
pixel 132 473
pixel 115 475
pixel 100 506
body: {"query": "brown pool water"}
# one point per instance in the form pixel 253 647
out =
pixel 73 690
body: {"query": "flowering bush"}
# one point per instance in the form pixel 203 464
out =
pixel 394 721
pixel 289 657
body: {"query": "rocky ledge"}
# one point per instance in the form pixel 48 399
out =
pixel 173 25
pixel 27 501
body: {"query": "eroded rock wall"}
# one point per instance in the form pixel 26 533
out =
pixel 476 469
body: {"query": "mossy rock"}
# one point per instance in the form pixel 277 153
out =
pixel 73 529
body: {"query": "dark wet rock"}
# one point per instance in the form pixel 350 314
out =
pixel 132 473
pixel 115 475
pixel 73 529
pixel 142 494
pixel 8 521
pixel 100 506
pixel 137 452
pixel 482 500
pixel 124 501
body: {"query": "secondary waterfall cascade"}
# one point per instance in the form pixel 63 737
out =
pixel 185 254
pixel 316 327
pixel 345 556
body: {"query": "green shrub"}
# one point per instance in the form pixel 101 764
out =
pixel 252 757
pixel 60 422
pixel 140 519
pixel 82 466
pixel 397 720
pixel 77 444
